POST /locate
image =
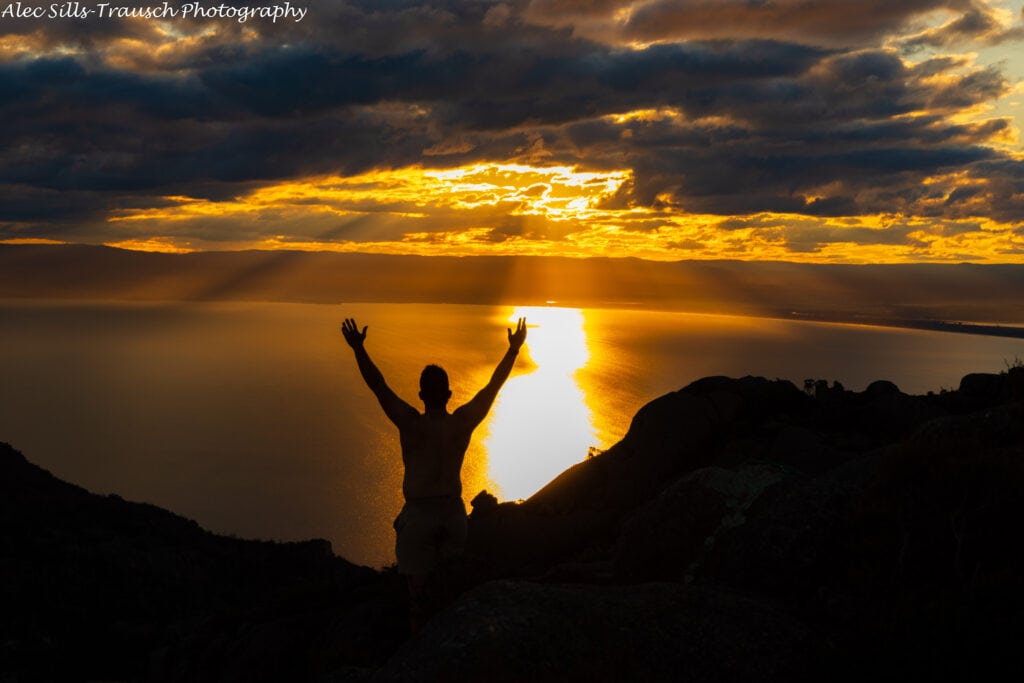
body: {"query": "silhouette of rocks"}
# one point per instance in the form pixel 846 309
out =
pixel 484 503
pixel 842 536
pixel 522 631
pixel 886 522
pixel 894 413
pixel 982 384
pixel 580 511
pixel 581 508
pixel 981 389
pixel 95 587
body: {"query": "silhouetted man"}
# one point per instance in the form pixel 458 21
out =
pixel 432 524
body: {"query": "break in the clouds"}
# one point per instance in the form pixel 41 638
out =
pixel 828 129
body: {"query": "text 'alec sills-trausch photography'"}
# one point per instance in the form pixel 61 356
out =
pixel 285 11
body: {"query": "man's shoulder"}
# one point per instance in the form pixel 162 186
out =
pixel 409 419
pixel 463 411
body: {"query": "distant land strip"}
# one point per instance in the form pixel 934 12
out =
pixel 965 298
pixel 1010 331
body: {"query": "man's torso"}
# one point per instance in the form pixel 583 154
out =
pixel 433 448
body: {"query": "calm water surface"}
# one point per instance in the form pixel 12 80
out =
pixel 252 418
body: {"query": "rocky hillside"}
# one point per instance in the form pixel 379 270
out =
pixel 97 588
pixel 743 530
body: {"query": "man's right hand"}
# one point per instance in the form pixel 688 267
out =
pixel 516 339
pixel 353 336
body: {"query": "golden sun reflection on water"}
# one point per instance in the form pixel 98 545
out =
pixel 540 424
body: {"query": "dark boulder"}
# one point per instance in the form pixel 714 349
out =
pixel 982 385
pixel 758 398
pixel 1001 425
pixel 663 538
pixel 889 415
pixel 880 388
pixel 793 538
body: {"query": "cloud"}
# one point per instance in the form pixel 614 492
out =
pixel 857 133
pixel 978 23
pixel 726 108
pixel 834 23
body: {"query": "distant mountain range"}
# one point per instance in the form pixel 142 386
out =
pixel 918 295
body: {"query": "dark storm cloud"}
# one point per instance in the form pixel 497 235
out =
pixel 597 81
pixel 287 82
pixel 32 89
pixel 766 118
pixel 813 181
pixel 289 111
pixel 27 204
pixel 831 141
pixel 73 128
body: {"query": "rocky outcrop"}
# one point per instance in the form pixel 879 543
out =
pixel 579 513
pixel 882 522
pixel 95 587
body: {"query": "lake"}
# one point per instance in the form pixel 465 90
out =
pixel 252 419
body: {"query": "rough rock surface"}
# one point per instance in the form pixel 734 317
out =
pixel 519 631
pixel 665 537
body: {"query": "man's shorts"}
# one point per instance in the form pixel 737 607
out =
pixel 429 530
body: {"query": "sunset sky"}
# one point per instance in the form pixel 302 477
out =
pixel 804 130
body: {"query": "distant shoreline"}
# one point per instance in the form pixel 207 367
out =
pixel 1008 331
pixel 958 327
pixel 961 298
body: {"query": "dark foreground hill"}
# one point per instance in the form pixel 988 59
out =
pixel 743 530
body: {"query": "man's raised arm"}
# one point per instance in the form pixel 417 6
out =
pixel 395 408
pixel 476 409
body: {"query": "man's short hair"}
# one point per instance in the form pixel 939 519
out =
pixel 434 383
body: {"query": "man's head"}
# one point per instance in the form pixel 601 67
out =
pixel 434 389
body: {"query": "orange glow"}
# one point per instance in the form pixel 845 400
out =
pixel 529 441
pixel 30 240
pixel 518 209
pixel 15 46
pixel 558 193
pixel 159 244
